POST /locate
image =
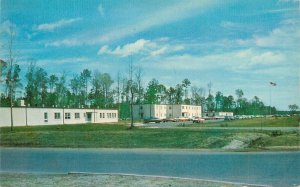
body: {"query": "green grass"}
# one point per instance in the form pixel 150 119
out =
pixel 106 136
pixel 259 122
pixel 120 136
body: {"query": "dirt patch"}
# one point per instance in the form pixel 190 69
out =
pixel 236 144
pixel 103 180
pixel 243 140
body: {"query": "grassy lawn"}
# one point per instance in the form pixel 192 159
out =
pixel 259 122
pixel 119 136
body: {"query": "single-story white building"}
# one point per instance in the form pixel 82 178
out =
pixel 145 111
pixel 23 116
pixel 218 114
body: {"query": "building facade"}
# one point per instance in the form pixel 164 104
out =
pixel 23 116
pixel 145 111
pixel 217 114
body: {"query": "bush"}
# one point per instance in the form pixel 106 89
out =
pixel 224 125
pixel 276 133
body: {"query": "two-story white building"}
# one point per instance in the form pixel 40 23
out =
pixel 145 111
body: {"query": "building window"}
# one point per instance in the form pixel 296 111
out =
pixel 170 107
pixel 77 115
pixel 103 115
pixel 67 115
pixel 100 115
pixel 56 115
pixel 182 107
pixel 45 117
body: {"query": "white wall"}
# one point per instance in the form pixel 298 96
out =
pixel 165 111
pixel 35 116
pixel 224 114
pixel 148 110
pixel 188 110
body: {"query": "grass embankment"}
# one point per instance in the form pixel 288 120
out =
pixel 119 136
pixel 259 122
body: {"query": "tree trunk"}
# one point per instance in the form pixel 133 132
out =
pixel 131 108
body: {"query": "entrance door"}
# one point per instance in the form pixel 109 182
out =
pixel 88 117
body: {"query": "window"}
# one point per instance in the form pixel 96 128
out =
pixel 67 115
pixel 170 107
pixel 182 107
pixel 103 115
pixel 45 117
pixel 114 115
pixel 100 115
pixel 77 115
pixel 56 115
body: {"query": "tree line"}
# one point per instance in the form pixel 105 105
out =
pixel 100 90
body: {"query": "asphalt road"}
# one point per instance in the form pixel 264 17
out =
pixel 271 168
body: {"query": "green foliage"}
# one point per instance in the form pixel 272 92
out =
pixel 293 108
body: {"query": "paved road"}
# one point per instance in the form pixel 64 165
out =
pixel 277 169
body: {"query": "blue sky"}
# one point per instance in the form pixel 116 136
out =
pixel 235 44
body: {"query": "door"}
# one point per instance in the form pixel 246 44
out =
pixel 88 117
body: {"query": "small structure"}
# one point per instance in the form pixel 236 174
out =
pixel 145 111
pixel 217 115
pixel 23 116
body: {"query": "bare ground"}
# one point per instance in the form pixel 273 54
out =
pixel 107 180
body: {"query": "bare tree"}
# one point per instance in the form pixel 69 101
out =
pixel 138 77
pixel 131 92
pixel 11 61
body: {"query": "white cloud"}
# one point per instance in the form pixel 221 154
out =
pixel 178 11
pixel 286 1
pixel 62 61
pixel 126 50
pixel 56 25
pixel 283 37
pixel 231 25
pixel 6 26
pixel 101 9
pixel 64 42
pixel 239 61
pixel 141 47
pixel 286 36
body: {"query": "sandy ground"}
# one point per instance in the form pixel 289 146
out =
pixel 107 180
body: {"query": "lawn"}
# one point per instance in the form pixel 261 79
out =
pixel 120 136
pixel 260 122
